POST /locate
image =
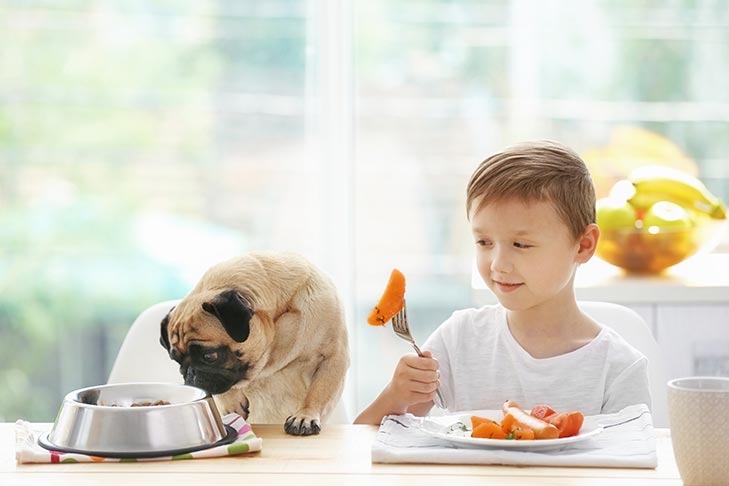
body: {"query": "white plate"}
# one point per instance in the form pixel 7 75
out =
pixel 446 427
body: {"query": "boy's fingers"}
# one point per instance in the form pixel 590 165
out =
pixel 425 388
pixel 420 363
pixel 423 397
pixel 423 376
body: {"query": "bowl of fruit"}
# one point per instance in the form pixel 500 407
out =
pixel 656 218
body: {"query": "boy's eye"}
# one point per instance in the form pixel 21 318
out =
pixel 521 245
pixel 483 243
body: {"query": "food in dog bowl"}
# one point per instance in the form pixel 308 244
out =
pixel 144 404
pixel 150 404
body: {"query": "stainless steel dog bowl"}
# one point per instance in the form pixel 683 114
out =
pixel 101 421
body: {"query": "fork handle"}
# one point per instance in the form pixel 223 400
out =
pixel 439 401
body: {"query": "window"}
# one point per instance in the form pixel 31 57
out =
pixel 141 142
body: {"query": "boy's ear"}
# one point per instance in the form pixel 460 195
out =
pixel 587 243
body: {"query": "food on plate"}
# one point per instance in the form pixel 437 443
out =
pixel 489 430
pixel 541 423
pixel 486 429
pixel 391 301
pixel 542 429
pixel 542 411
pixel 568 424
pixel 517 430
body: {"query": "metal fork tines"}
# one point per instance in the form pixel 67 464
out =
pixel 402 330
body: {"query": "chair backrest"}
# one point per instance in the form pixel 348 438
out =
pixel 631 326
pixel 142 358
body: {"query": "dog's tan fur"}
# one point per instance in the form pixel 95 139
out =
pixel 297 344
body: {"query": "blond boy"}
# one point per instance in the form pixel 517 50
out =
pixel 532 213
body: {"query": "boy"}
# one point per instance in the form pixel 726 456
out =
pixel 532 214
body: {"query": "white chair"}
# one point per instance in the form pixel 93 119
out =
pixel 142 358
pixel 636 332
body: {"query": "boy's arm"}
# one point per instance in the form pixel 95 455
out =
pixel 382 406
pixel 411 389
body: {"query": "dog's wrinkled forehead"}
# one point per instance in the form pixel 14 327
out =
pixel 219 317
pixel 188 323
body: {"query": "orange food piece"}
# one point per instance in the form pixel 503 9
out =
pixel 391 301
pixel 568 424
pixel 508 422
pixel 518 431
pixel 488 430
pixel 541 429
pixel 523 433
pixel 476 421
pixel 542 411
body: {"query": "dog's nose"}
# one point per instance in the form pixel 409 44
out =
pixel 190 374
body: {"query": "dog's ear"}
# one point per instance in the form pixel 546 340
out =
pixel 164 339
pixel 233 312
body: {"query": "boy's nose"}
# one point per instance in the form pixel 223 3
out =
pixel 500 263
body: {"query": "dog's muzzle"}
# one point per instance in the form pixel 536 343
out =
pixel 214 381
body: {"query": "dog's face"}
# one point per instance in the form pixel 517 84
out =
pixel 218 339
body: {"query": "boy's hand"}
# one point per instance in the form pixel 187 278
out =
pixel 412 388
pixel 415 381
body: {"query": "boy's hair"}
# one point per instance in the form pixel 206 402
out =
pixel 537 171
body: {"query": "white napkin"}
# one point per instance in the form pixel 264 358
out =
pixel 628 440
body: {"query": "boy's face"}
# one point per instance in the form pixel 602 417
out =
pixel 525 252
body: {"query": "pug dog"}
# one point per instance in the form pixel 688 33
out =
pixel 264 333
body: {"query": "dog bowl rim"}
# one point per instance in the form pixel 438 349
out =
pixel 69 397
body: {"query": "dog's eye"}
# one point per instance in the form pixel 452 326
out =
pixel 211 357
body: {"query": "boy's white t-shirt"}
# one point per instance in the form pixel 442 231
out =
pixel 482 365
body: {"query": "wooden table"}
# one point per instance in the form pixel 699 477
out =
pixel 340 455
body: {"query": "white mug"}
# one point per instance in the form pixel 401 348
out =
pixel 698 410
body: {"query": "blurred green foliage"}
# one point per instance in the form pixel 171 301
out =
pixel 92 97
pixel 72 281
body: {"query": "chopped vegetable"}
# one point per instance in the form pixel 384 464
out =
pixel 542 411
pixel 391 301
pixel 514 424
pixel 568 424
pixel 488 430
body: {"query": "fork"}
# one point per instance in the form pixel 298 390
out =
pixel 402 329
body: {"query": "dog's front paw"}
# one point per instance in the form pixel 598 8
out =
pixel 242 408
pixel 233 403
pixel 302 424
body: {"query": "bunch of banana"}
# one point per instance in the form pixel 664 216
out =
pixel 655 183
